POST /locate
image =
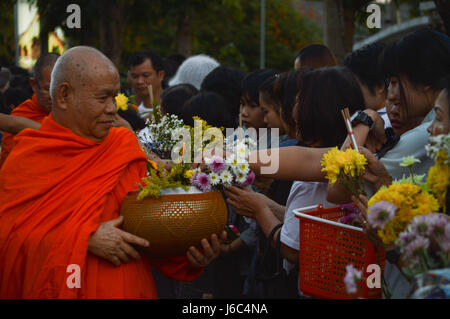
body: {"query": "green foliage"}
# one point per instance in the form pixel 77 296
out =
pixel 7 47
pixel 225 29
pixel 161 178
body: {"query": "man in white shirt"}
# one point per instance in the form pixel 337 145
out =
pixel 146 68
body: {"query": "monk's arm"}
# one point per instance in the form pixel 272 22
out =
pixel 14 124
pixel 294 163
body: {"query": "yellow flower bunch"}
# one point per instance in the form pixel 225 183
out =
pixel 337 163
pixel 198 138
pixel 411 201
pixel 438 181
pixel 121 102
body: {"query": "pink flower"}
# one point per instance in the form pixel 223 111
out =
pixel 381 213
pixel 250 179
pixel 217 164
pixel 203 182
pixel 352 276
pixel 417 246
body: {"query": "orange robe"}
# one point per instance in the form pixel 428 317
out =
pixel 29 109
pixel 55 189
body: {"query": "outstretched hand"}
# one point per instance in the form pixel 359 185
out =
pixel 245 201
pixel 210 251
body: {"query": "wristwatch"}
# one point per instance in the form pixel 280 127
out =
pixel 361 117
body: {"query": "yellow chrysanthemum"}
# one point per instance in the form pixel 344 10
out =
pixel 411 201
pixel 348 162
pixel 189 173
pixel 438 181
pixel 122 102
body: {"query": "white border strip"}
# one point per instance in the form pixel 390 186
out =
pixel 322 220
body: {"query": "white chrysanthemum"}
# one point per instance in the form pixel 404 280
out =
pixel 197 170
pixel 241 177
pixel 226 177
pixel 214 178
pixel 243 168
pixel 241 151
pixel 232 161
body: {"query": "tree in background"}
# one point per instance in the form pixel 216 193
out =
pixel 225 29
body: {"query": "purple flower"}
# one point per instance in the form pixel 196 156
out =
pixel 350 209
pixel 447 231
pixel 202 182
pixel 352 276
pixel 406 237
pixel 250 179
pixel 194 181
pixel 418 245
pixel 348 219
pixel 217 164
pixel 381 213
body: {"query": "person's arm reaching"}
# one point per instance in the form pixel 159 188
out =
pixel 14 124
pixel 293 163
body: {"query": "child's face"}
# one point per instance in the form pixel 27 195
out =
pixel 252 114
pixel 271 117
pixel 441 123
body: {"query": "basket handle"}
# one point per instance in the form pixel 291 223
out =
pixel 308 208
pixel 326 221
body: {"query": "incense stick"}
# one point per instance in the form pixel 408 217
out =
pixel 150 91
pixel 346 115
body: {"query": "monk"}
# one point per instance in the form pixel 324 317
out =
pixel 61 189
pixel 39 106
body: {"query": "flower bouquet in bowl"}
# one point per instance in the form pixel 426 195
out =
pixel 177 207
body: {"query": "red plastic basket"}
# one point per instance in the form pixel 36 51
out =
pixel 326 248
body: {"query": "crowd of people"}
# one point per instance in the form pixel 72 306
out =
pixel 62 181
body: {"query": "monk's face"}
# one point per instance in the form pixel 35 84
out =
pixel 41 88
pixel 94 108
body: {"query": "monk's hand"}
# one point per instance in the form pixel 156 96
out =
pixel 114 244
pixel 210 251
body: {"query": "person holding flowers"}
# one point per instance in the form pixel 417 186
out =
pixel 317 128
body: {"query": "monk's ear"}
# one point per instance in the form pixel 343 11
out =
pixel 33 84
pixel 64 96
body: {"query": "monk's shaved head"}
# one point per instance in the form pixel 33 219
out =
pixel 78 63
pixel 83 89
pixel 47 60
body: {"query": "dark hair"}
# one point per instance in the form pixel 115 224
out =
pixel 285 90
pixel 267 92
pixel 172 63
pixel 364 63
pixel 210 107
pixel 173 98
pixel 15 96
pixel 44 61
pixel 227 82
pixel 316 56
pixel 252 82
pixel 140 57
pixel 422 56
pixel 323 94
